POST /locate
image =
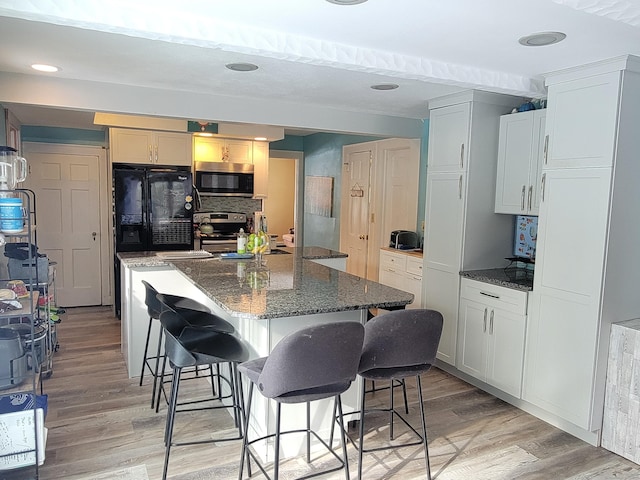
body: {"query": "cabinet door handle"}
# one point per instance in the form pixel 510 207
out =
pixel 489 295
pixel 150 153
pixel 530 197
pixel 491 323
pixel 524 189
pixel 462 155
pixel 156 154
pixel 460 187
pixel 484 323
pixel 546 148
pixel 544 177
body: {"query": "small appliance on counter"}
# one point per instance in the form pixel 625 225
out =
pixel 403 240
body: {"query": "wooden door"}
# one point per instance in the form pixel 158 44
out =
pixel 354 217
pixel 66 182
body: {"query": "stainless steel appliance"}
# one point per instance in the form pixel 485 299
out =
pixel 403 239
pixel 221 232
pixel 224 179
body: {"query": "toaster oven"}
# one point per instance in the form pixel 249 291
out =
pixel 403 239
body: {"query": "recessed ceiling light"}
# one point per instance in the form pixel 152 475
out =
pixel 45 68
pixel 385 86
pixel 241 67
pixel 541 39
pixel 346 2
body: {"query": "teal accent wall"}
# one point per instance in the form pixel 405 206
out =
pixel 422 186
pixel 323 158
pixel 289 142
pixel 73 136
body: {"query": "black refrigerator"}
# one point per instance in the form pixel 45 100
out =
pixel 152 210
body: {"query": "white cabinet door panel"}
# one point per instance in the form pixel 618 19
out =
pixel 444 221
pixel 515 150
pixel 449 138
pixel 559 362
pixel 572 232
pixel 441 293
pixel 582 122
pixel 472 339
pixel 506 351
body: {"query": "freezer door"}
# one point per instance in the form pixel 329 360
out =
pixel 130 219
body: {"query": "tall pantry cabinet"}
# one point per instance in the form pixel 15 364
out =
pixel 588 235
pixel 461 229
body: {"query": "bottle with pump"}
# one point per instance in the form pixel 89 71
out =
pixel 242 241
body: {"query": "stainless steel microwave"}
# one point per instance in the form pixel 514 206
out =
pixel 224 179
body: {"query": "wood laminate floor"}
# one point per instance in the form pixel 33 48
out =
pixel 101 427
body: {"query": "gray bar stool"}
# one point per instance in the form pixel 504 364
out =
pixel 398 345
pixel 311 364
pixel 193 318
pixel 154 309
pixel 189 346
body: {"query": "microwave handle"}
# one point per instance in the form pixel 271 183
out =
pixel 197 200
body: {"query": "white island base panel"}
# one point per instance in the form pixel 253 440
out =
pixel 260 334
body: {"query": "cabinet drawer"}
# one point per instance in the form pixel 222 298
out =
pixel 414 266
pixel 506 299
pixel 393 261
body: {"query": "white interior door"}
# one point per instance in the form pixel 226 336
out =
pixel 66 182
pixel 354 218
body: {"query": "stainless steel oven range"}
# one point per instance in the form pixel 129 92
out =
pixel 217 231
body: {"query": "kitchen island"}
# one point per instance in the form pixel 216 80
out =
pixel 264 300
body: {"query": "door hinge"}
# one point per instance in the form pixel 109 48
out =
pixel 373 218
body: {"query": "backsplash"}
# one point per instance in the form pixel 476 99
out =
pixel 231 204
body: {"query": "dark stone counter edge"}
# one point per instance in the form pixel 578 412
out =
pixel 495 277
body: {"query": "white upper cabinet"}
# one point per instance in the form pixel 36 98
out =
pixel 520 157
pixel 214 149
pixel 582 122
pixel 449 138
pixel 149 147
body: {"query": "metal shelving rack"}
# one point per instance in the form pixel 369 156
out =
pixel 22 433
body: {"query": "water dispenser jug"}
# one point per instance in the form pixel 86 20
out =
pixel 13 168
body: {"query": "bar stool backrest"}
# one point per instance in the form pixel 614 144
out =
pixel 401 338
pixel 311 358
pixel 154 307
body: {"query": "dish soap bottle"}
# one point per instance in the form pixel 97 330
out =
pixel 242 242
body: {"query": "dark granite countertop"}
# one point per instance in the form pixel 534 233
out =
pixel 281 286
pixel 518 279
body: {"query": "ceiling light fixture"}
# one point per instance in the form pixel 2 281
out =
pixel 241 67
pixel 385 86
pixel 41 67
pixel 542 39
pixel 346 2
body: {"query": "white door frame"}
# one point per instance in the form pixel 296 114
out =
pixel 298 212
pixel 106 245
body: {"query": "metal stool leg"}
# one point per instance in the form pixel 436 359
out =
pixel 144 356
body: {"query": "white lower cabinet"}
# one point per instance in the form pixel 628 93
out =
pixel 491 329
pixel 402 271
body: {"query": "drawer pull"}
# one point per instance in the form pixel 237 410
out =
pixel 489 295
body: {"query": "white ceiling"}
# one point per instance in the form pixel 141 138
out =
pixel 313 56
